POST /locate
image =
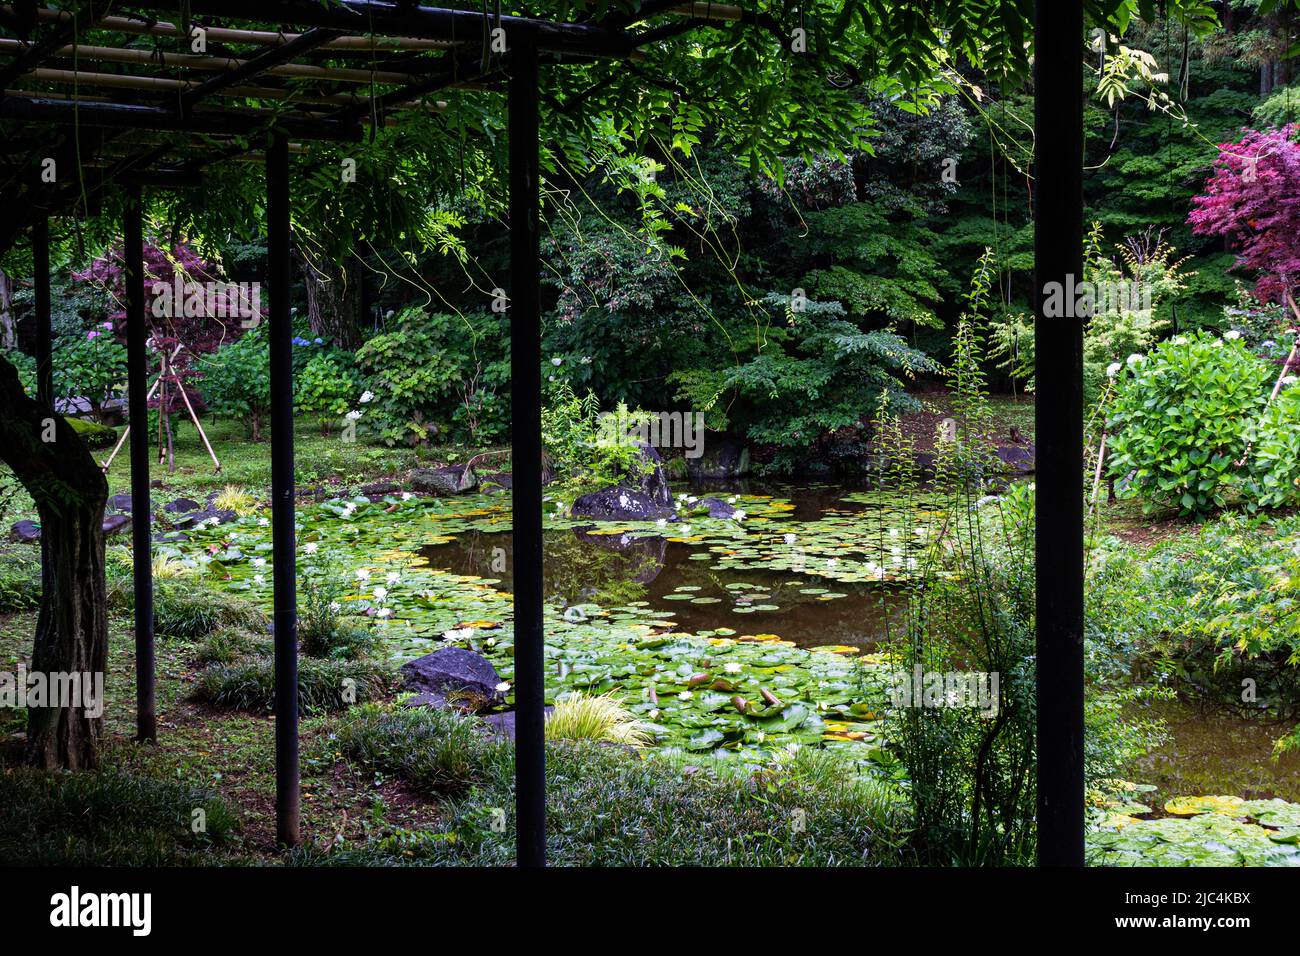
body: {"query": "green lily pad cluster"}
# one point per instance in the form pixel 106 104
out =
pixel 1200 831
pixel 713 691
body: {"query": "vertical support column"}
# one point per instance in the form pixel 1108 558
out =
pixel 526 419
pixel 137 390
pixel 282 498
pixel 1058 343
pixel 44 334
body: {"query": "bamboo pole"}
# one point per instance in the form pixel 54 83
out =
pixel 260 37
pixel 201 61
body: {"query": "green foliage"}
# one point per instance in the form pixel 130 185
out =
pixel 323 684
pixel 436 374
pixel 582 453
pixel 1275 454
pixel 1181 420
pixel 323 629
pixel 20 582
pixel 107 818
pixel 186 610
pixel 89 364
pixel 437 751
pixel 326 387
pixel 237 380
pixel 812 384
pixel 594 717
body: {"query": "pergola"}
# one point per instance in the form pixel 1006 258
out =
pixel 114 95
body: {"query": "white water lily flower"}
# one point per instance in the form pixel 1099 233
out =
pixel 503 686
pixel 1113 369
pixel 367 396
pixel 393 577
pixel 685 695
pixel 1232 335
pixel 259 578
pixel 263 522
pixel 739 516
pixel 831 562
pixel 731 500
pixel 310 547
pixel 363 574
pixel 790 537
pixel 335 607
pixel 662 522
pixel 407 496
pixel 380 593
pixel 385 612
pixel 458 634
pixel 259 562
pixel 686 529
pixel 731 667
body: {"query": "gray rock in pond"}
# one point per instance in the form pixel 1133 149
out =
pixel 120 503
pixel 497 481
pixel 1017 459
pixel 503 724
pixel 717 507
pixel 25 532
pixel 181 505
pixel 443 482
pixel 644 497
pixel 453 671
pixel 380 488
pixel 115 523
pixel 724 456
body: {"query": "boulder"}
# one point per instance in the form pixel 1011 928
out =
pixel 181 505
pixel 717 508
pixel 115 523
pixel 644 497
pixel 454 672
pixel 1017 459
pixel 443 482
pixel 204 514
pixel 723 457
pixel 120 503
pixel 497 481
pixel 503 724
pixel 379 489
pixel 25 532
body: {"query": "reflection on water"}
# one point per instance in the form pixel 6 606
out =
pixel 1212 752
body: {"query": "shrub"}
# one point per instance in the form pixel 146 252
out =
pixel 228 644
pixel 1275 465
pixel 323 631
pixel 323 685
pixel 1181 420
pixel 237 380
pixel 89 364
pixel 436 751
pixel 411 375
pixel 326 387
pixel 186 610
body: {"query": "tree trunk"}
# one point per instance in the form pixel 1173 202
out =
pixel 71 632
pixel 333 299
pixel 70 491
pixel 8 328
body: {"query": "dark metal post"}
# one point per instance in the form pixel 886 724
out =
pixel 526 451
pixel 44 335
pixel 282 498
pixel 1058 342
pixel 137 388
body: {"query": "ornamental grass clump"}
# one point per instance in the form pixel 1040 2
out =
pixel 601 717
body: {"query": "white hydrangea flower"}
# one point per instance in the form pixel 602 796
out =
pixel 1232 335
pixel 353 415
pixel 1113 369
pixel 367 397
pixel 1136 358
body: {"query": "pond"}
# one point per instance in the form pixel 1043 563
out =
pixel 698 624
